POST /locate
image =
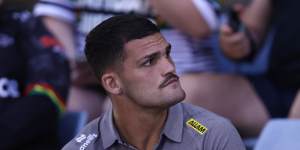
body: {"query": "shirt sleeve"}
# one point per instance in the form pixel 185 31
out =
pixel 60 9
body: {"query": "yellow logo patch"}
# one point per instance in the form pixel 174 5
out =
pixel 196 126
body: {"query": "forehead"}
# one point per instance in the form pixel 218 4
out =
pixel 146 45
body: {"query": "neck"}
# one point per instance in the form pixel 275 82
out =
pixel 139 127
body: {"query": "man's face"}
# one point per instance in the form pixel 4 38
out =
pixel 148 74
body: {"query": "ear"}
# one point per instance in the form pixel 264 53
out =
pixel 111 83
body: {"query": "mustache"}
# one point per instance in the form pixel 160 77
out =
pixel 169 76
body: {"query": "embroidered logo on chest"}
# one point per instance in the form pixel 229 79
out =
pixel 196 126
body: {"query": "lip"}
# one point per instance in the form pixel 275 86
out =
pixel 168 82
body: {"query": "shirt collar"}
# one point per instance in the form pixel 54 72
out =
pixel 172 129
pixel 174 125
pixel 108 131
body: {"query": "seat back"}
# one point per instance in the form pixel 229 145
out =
pixel 280 134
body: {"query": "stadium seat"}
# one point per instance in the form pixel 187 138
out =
pixel 280 134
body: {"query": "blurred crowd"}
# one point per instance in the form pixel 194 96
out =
pixel 237 58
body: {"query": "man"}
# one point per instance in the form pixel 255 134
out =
pixel 132 61
pixel 34 81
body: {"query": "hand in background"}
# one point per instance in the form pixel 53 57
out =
pixel 235 45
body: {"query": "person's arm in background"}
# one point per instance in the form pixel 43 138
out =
pixel 183 15
pixel 59 18
pixel 30 121
pixel 256 18
pixel 63 31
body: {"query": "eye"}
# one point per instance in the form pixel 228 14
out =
pixel 148 62
pixel 168 53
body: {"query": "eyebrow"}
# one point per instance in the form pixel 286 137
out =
pixel 156 54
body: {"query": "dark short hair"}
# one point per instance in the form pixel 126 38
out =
pixel 105 43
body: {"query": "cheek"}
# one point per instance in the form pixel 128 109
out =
pixel 142 78
pixel 150 78
pixel 145 82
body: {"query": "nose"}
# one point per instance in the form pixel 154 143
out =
pixel 167 66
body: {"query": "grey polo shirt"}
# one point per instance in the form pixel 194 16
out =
pixel 187 127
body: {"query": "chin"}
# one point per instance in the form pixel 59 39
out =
pixel 175 98
pixel 181 96
pixel 165 100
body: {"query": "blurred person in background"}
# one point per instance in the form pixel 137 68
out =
pixel 70 21
pixel 34 80
pixel 279 86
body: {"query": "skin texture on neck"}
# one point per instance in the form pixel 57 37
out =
pixel 138 126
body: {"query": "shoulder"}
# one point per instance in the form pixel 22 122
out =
pixel 87 137
pixel 23 20
pixel 16 16
pixel 203 120
pixel 59 9
pixel 205 117
pixel 196 112
pixel 208 128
